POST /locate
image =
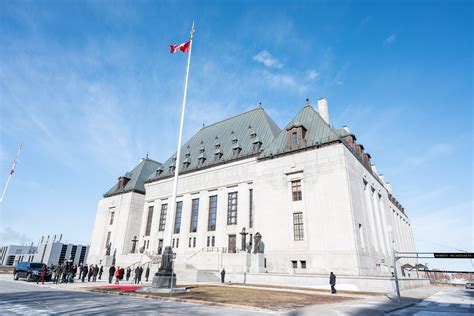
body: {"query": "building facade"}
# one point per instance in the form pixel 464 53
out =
pixel 12 254
pixel 308 189
pixel 53 251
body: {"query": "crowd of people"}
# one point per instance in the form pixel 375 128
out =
pixel 120 273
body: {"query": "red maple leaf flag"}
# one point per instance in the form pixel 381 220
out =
pixel 182 47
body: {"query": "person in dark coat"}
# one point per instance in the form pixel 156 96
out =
pixel 137 272
pixel 85 269
pixel 332 281
pixel 101 271
pixel 140 272
pixel 90 273
pixel 122 273
pixel 79 268
pixel 94 275
pixel 129 271
pixel 147 273
pixel 223 275
pixel 111 273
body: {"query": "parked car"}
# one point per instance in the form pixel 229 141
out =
pixel 30 271
pixel 470 285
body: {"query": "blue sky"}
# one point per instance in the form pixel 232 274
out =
pixel 90 88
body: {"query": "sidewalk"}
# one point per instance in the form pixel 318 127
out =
pixel 376 305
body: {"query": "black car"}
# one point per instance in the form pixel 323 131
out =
pixel 30 271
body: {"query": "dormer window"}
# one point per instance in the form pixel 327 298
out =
pixel 159 171
pixel 217 151
pixel 253 134
pixel 236 148
pixel 172 166
pixel 296 134
pixel 187 159
pixel 202 156
pixel 256 144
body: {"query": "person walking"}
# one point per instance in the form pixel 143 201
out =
pixel 74 271
pixel 122 273
pixel 79 268
pixel 147 273
pixel 137 272
pixel 101 271
pixel 111 273
pixel 129 271
pixel 223 275
pixel 94 275
pixel 85 269
pixel 332 281
pixel 117 275
pixel 140 273
pixel 56 274
pixel 91 272
pixel 42 274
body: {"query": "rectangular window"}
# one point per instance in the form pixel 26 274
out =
pixel 177 220
pixel 250 208
pixel 173 243
pixel 107 241
pixel 298 226
pixel 232 208
pixel 232 244
pixel 296 190
pixel 112 214
pixel 189 243
pixel 164 209
pixel 303 264
pixel 194 242
pixel 295 138
pixel 160 246
pixel 208 241
pixel 148 221
pixel 177 242
pixel 213 241
pixel 194 215
pixel 294 264
pixel 211 223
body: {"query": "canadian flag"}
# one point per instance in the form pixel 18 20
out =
pixel 182 47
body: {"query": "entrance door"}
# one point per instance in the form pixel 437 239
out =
pixel 232 243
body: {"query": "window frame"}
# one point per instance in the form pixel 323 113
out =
pixel 149 220
pixel 296 190
pixel 163 212
pixel 212 218
pixel 232 207
pixel 177 218
pixel 194 215
pixel 298 226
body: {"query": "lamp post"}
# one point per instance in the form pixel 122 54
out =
pixel 134 243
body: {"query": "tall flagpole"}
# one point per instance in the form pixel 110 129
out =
pixel 172 204
pixel 11 172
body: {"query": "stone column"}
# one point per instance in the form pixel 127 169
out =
pixel 368 203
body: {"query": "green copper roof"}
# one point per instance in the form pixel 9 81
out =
pixel 137 177
pixel 222 142
pixel 317 132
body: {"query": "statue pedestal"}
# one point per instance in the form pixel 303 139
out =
pixel 164 279
pixel 257 263
pixel 108 260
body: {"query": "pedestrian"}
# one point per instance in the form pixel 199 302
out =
pixel 122 273
pixel 140 272
pixel 147 273
pixel 111 273
pixel 137 272
pixel 332 281
pixel 79 268
pixel 56 274
pixel 90 273
pixel 74 271
pixel 42 274
pixel 65 272
pixel 101 271
pixel 94 275
pixel 223 275
pixel 129 271
pixel 85 269
pixel 117 275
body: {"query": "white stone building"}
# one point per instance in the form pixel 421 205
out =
pixel 309 189
pixel 53 251
pixel 12 254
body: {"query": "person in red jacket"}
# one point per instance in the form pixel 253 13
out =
pixel 42 274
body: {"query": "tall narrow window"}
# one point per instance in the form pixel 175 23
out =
pixel 213 241
pixel 295 138
pixel 211 223
pixel 298 226
pixel 148 221
pixel 250 208
pixel 194 215
pixel 177 220
pixel 112 214
pixel 232 208
pixel 160 246
pixel 296 190
pixel 164 209
pixel 208 241
pixel 106 242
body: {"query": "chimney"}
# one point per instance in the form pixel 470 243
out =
pixel 323 109
pixel 346 128
pixel 388 186
pixel 60 237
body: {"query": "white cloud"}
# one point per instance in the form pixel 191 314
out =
pixel 10 236
pixel 392 38
pixel 268 60
pixel 312 74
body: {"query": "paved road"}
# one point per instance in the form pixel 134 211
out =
pixel 19 297
pixel 453 302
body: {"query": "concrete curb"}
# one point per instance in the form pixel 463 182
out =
pixel 401 307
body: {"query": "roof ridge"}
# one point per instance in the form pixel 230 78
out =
pixel 232 117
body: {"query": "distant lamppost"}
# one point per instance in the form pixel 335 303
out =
pixel 134 243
